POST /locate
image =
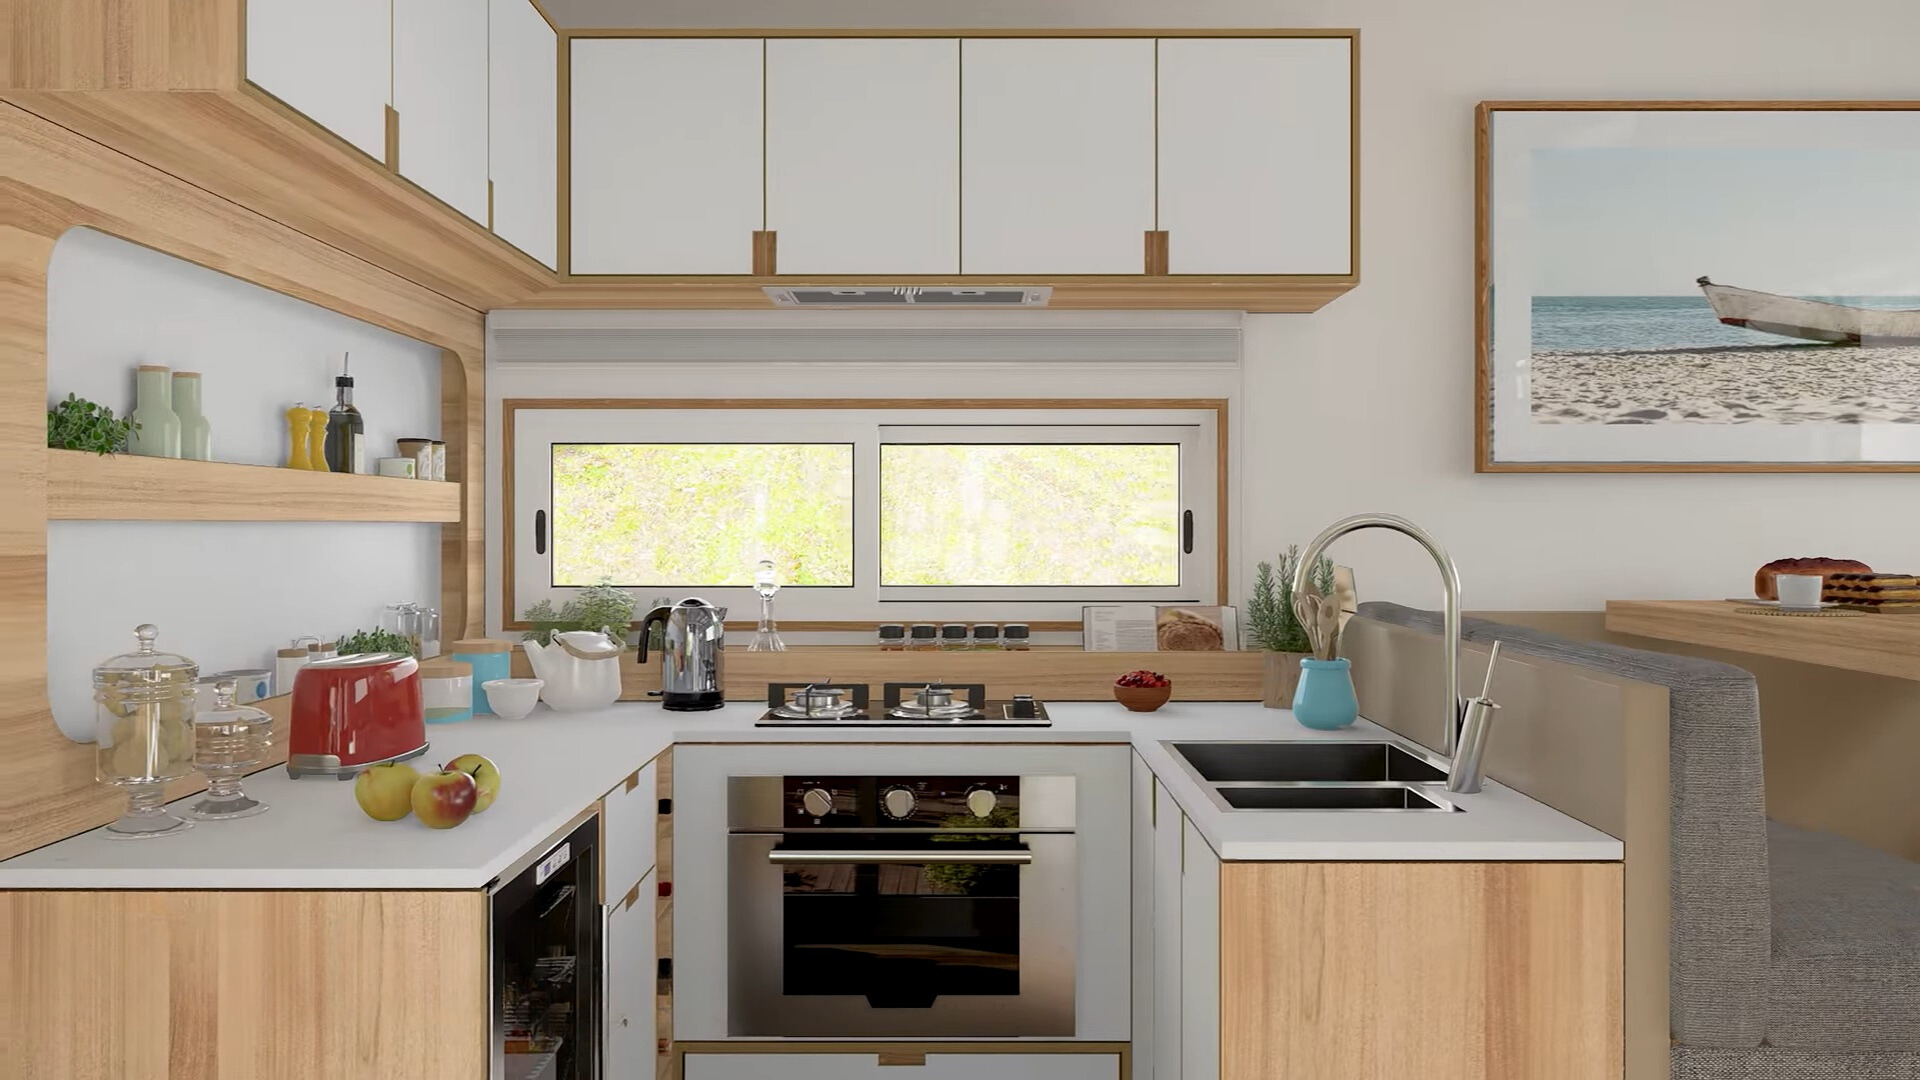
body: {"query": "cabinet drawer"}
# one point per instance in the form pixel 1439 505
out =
pixel 630 833
pixel 869 1067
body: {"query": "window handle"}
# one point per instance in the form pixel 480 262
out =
pixel 1186 531
pixel 540 533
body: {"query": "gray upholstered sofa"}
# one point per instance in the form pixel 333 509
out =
pixel 1796 954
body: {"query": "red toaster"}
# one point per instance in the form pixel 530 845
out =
pixel 354 711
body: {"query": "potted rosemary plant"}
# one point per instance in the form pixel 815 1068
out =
pixel 1276 629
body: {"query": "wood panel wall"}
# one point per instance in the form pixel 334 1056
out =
pixel 104 985
pixel 56 180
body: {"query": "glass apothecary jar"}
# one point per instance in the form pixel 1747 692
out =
pixel 143 732
pixel 229 740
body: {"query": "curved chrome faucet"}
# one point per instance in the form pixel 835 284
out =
pixel 1449 578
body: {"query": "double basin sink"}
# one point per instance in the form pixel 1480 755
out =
pixel 1317 776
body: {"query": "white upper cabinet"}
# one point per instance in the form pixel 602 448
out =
pixel 1057 167
pixel 440 91
pixel 1256 155
pixel 667 164
pixel 331 61
pixel 863 155
pixel 524 143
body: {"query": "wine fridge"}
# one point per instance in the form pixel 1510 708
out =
pixel 547 957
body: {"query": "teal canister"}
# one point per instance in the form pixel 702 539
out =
pixel 1324 700
pixel 490 659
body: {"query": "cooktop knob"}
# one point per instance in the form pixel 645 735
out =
pixel 898 803
pixel 980 802
pixel 817 802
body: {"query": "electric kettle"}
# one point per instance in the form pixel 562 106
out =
pixel 692 650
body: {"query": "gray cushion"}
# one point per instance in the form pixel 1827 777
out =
pixel 1768 1063
pixel 1720 932
pixel 1846 945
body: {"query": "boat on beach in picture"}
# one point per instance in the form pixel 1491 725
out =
pixel 1811 320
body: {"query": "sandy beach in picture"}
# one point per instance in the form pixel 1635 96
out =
pixel 1784 384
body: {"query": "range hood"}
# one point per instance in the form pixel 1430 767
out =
pixel 897 296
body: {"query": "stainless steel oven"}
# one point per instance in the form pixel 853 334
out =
pixel 902 906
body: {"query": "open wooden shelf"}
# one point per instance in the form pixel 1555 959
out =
pixel 1879 644
pixel 122 487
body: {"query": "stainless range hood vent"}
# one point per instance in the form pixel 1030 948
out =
pixel 820 296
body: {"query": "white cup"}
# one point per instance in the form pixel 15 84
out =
pixel 1798 590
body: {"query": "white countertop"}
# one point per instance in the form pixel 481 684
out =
pixel 553 764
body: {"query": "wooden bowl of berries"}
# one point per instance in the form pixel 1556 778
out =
pixel 1142 691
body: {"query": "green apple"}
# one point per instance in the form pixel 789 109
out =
pixel 485 774
pixel 444 799
pixel 385 791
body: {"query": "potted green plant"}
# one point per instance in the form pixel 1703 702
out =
pixel 1276 629
pixel 597 607
pixel 79 424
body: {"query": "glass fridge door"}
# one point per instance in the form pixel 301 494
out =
pixel 546 966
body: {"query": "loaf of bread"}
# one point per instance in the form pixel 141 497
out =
pixel 1763 579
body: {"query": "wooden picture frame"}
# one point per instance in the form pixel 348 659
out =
pixel 1486 374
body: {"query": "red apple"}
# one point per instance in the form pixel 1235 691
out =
pixel 444 799
pixel 385 791
pixel 484 772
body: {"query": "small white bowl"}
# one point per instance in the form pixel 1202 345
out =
pixel 512 699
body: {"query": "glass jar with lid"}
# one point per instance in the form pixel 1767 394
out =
pixel 923 635
pixel 228 740
pixel 143 732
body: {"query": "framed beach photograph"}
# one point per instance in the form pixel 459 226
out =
pixel 1698 286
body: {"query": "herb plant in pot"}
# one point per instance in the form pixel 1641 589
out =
pixel 1276 627
pixel 597 607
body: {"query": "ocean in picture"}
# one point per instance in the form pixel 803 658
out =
pixel 1667 359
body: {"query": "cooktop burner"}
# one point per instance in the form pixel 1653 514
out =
pixel 909 704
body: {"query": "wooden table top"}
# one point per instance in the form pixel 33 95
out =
pixel 1880 644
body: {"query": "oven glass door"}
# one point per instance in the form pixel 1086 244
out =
pixel 876 934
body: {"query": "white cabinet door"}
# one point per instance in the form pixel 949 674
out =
pixel 667 163
pixel 870 1067
pixel 331 61
pixel 1145 810
pixel 863 155
pixel 632 973
pixel 1168 836
pixel 1256 155
pixel 523 145
pixel 630 827
pixel 1057 155
pixel 1199 959
pixel 440 92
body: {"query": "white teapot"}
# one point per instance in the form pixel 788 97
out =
pixel 581 669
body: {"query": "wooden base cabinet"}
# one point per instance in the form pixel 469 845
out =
pixel 230 985
pixel 1443 970
pixel 906 1062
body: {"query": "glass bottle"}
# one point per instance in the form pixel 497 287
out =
pixel 953 637
pixel 196 434
pixel 156 431
pixel 1013 636
pixel 893 636
pixel 143 732
pixel 766 637
pixel 346 431
pixel 228 740
pixel 923 636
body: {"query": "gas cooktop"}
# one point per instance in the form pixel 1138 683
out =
pixel 907 704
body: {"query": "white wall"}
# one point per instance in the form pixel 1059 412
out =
pixel 1368 405
pixel 224 594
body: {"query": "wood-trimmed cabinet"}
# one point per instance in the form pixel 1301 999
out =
pixel 703 166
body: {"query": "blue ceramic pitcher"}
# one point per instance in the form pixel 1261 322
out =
pixel 1324 699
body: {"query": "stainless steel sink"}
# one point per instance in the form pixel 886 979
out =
pixel 1240 762
pixel 1316 776
pixel 1329 797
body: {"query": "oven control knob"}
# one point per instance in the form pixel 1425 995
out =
pixel 980 802
pixel 898 802
pixel 817 802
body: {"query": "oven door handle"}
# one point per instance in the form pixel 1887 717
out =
pixel 783 857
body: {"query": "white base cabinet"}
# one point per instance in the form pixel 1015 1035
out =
pixel 630 829
pixel 870 1067
pixel 632 976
